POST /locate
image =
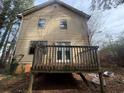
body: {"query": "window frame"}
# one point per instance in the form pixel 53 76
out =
pixel 63 24
pixel 62 54
pixel 42 23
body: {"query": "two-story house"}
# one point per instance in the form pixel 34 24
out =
pixel 53 24
pixel 54 39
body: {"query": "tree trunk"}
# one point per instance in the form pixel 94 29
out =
pixel 5 45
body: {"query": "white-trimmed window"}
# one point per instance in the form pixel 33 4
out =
pixel 63 24
pixel 42 23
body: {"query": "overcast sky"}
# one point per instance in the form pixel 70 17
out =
pixel 109 22
pixel 83 5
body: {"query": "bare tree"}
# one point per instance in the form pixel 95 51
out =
pixel 105 4
pixel 95 24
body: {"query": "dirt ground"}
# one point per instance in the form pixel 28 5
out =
pixel 61 83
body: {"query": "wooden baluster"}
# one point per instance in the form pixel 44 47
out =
pixel 75 58
pixel 48 68
pixel 66 61
pixel 55 58
pixel 88 59
pixel 80 58
pixel 85 54
pixel 83 58
pixel 42 57
pixel 60 64
pixel 47 62
pixel 34 59
pixel 43 53
pixel 60 59
pixel 52 57
pixel 96 59
pixel 71 57
pixel 92 61
pixel 87 62
pixel 64 57
pixel 82 55
pixel 37 58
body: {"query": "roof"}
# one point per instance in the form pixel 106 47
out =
pixel 36 8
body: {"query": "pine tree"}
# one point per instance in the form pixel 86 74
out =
pixel 9 16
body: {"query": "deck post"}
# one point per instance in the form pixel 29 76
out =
pixel 31 83
pixel 101 82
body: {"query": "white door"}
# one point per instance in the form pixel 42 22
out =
pixel 63 53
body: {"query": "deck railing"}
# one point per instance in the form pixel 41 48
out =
pixel 65 58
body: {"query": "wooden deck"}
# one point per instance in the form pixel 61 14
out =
pixel 65 59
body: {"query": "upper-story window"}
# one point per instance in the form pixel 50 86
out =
pixel 41 23
pixel 63 24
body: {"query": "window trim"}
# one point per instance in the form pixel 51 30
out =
pixel 42 23
pixel 63 52
pixel 64 23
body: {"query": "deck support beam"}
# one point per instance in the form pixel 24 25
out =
pixel 84 79
pixel 100 79
pixel 101 82
pixel 31 83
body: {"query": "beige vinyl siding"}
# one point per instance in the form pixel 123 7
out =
pixel 76 31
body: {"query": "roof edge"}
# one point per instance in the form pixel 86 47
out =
pixel 38 7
